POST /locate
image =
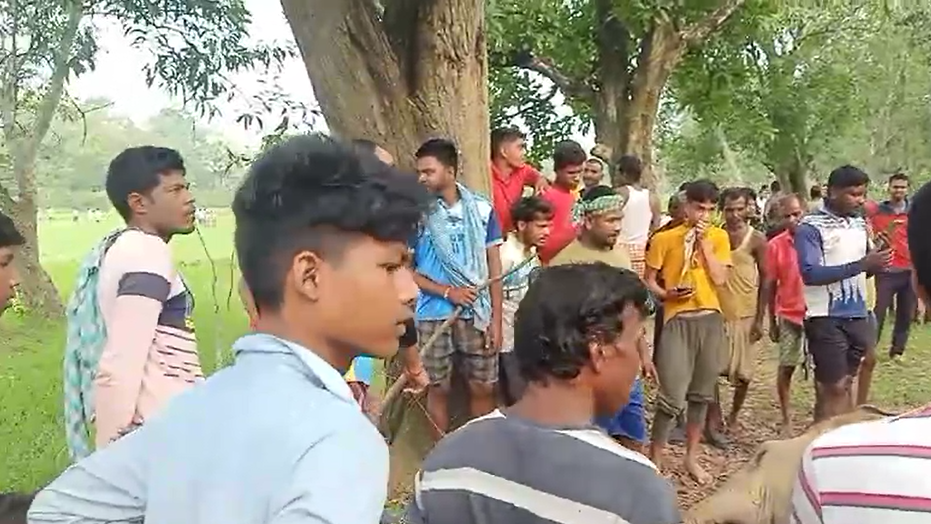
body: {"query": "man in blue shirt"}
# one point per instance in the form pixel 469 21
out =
pixel 835 254
pixel 321 237
pixel 456 253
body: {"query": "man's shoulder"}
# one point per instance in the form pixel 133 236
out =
pixel 664 235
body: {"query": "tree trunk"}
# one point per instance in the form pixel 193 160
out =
pixel 36 288
pixel 415 71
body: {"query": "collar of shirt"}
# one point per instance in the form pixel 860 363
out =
pixel 886 206
pixel 329 378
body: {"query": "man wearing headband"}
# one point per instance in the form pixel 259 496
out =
pixel 598 214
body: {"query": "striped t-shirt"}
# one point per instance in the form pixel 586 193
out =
pixel 506 469
pixel 150 355
pixel 869 473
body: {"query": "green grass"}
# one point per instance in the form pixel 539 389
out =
pixel 31 433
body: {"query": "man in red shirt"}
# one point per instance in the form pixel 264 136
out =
pixel 510 174
pixel 783 291
pixel 568 163
pixel 889 221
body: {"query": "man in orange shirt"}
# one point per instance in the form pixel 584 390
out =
pixel 510 174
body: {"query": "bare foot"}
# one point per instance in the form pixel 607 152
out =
pixel 785 430
pixel 697 473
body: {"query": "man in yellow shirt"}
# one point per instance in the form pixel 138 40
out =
pixel 692 260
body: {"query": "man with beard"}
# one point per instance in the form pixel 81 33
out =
pixel 131 345
pixel 741 302
pixel 875 472
pixel 835 254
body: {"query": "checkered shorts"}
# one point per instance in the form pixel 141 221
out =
pixel 637 257
pixel 463 341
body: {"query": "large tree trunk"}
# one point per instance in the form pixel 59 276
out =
pixel 36 288
pixel 415 71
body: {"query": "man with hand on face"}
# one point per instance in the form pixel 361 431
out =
pixel 457 251
pixel 542 461
pixel 321 237
pixel 692 260
pixel 835 254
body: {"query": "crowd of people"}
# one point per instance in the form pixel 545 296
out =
pixel 538 297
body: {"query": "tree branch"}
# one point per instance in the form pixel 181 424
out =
pixel 545 68
pixel 697 32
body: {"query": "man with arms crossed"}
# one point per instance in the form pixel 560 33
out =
pixel 692 260
pixel 834 255
pixel 874 472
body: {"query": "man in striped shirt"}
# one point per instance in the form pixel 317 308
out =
pixel 542 461
pixel 875 472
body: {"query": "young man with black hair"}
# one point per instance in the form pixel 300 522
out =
pixel 835 254
pixel 593 174
pixel 457 251
pixel 321 237
pixel 692 260
pixel 366 146
pixel 568 162
pixel 541 460
pixel 874 472
pixel 131 346
pixel 510 173
pixel 889 221
pixel 815 197
pixel 642 211
pixel 532 217
pixel 10 240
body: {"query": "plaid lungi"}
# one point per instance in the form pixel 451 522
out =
pixel 638 254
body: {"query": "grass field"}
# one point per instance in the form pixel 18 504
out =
pixel 31 434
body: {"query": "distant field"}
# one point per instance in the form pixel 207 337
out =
pixel 31 436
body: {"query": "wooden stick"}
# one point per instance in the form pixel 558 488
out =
pixel 398 386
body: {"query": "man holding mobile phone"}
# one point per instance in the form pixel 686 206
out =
pixel 692 259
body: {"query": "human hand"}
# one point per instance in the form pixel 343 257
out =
pixel 679 292
pixel 417 380
pixel 461 296
pixel 774 331
pixel 920 311
pixel 877 260
pixel 756 332
pixel 648 370
pixel 494 339
pixel 541 186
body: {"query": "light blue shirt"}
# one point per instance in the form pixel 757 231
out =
pixel 275 438
pixel 427 261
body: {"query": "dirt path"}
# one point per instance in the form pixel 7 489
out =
pixel 759 422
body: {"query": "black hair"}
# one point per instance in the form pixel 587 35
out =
pixel 730 194
pixel 568 153
pixel 702 190
pixel 898 176
pixel 528 208
pixel 847 176
pixel 815 192
pixel 139 170
pixel 919 242
pixel 314 193
pixel 364 145
pixel 683 186
pixel 775 186
pixel 442 149
pixel 567 308
pixel 502 135
pixel 14 507
pixel 596 192
pixel 9 235
pixel 751 194
pixel 631 167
